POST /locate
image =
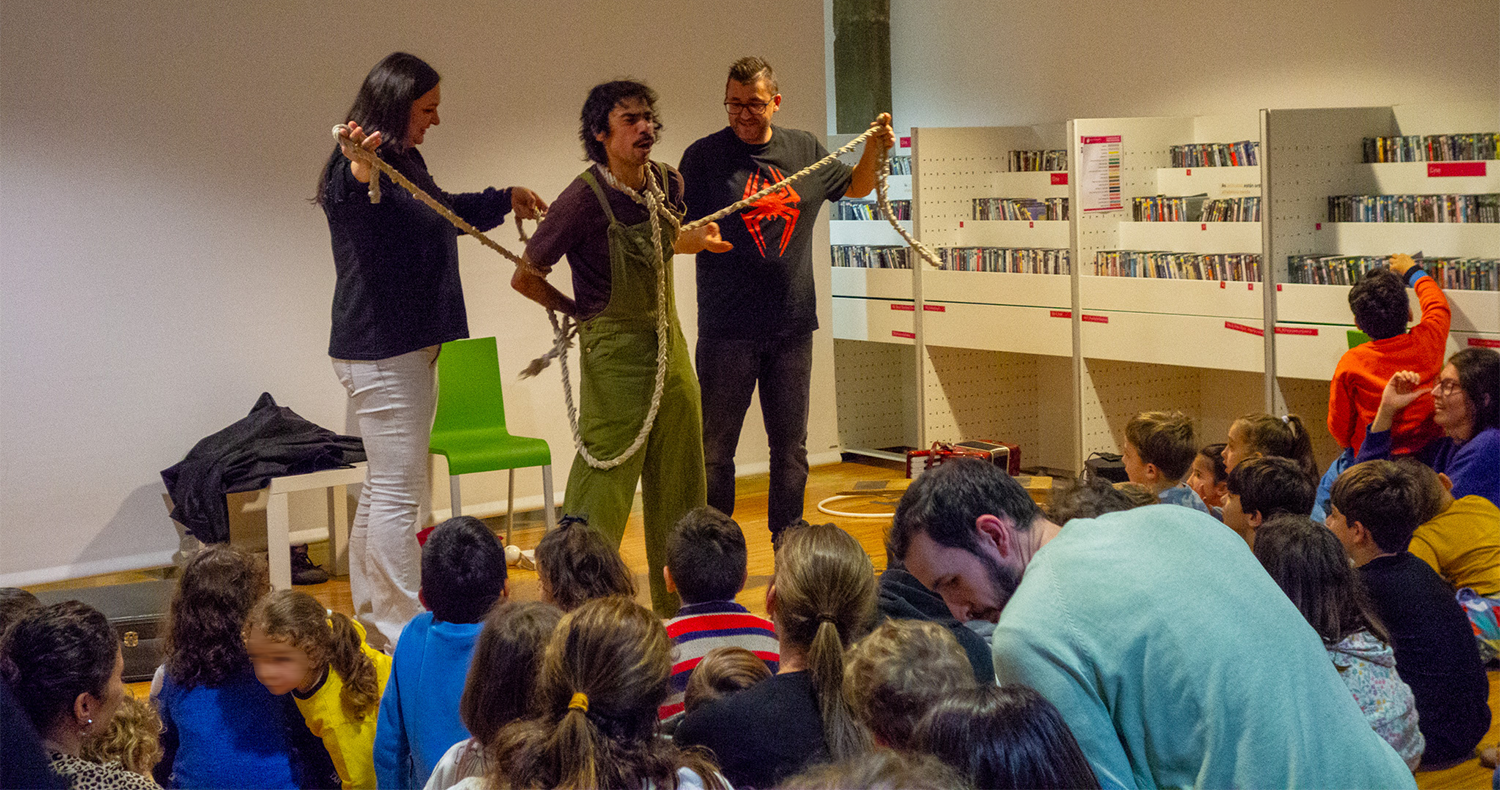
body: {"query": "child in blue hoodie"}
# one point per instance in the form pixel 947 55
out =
pixel 463 575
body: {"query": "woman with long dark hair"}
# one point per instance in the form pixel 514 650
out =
pixel 397 299
pixel 1466 405
pixel 821 599
pixel 63 664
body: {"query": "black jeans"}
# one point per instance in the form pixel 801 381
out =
pixel 728 372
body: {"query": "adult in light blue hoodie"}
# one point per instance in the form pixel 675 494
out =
pixel 463 575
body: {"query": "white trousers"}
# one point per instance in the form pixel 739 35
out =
pixel 394 401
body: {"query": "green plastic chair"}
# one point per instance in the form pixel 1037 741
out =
pixel 469 429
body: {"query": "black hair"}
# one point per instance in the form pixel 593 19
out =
pixel 1384 498
pixel 945 503
pixel 14 602
pixel 1479 377
pixel 55 653
pixel 463 570
pixel 1379 304
pixel 576 564
pixel 1005 737
pixel 596 109
pixel 383 105
pixel 1088 498
pixel 751 69
pixel 707 557
pixel 1310 565
pixel 879 769
pixel 1272 484
pixel 1215 455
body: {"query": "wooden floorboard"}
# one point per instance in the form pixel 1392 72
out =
pixel 750 512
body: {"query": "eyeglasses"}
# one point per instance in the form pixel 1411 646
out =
pixel 736 108
pixel 1445 387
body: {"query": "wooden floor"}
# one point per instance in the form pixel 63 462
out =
pixel 750 512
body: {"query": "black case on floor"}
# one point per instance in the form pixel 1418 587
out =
pixel 138 611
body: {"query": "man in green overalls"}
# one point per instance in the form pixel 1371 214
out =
pixel 621 260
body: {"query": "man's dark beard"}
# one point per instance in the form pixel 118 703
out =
pixel 1003 579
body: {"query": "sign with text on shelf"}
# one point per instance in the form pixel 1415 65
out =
pixel 1099 172
pixel 1455 169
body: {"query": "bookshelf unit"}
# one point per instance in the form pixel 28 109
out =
pixel 1158 342
pixel 996 347
pixel 1316 153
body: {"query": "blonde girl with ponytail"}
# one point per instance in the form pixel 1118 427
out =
pixel 604 674
pixel 336 678
pixel 822 599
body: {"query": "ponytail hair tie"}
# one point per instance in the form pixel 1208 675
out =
pixel 580 702
pixel 827 618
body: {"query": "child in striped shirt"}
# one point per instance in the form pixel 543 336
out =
pixel 706 566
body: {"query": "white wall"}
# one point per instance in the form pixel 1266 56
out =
pixel 161 266
pixel 966 63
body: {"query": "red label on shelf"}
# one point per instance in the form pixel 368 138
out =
pixel 1112 138
pixel 1096 319
pixel 907 335
pixel 1190 171
pixel 1444 169
pixel 906 142
pixel 1278 286
pixel 1306 331
pixel 1249 330
pixel 1059 179
pixel 1062 313
pixel 1249 286
pixel 960 223
pixel 1203 226
pixel 1223 285
pixel 910 308
pixel 1484 342
pixel 935 308
pixel 1318 226
pixel 1031 224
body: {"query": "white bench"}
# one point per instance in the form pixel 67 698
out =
pixel 279 535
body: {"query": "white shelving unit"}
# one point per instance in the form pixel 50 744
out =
pixel 1315 153
pixel 1059 363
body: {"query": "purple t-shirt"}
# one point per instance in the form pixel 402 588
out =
pixel 577 227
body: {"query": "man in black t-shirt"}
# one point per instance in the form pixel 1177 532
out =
pixel 1374 511
pixel 756 306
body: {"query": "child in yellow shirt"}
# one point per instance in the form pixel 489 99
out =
pixel 321 657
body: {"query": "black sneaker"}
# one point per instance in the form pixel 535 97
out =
pixel 303 569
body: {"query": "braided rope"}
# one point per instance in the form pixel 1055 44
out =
pixel 565 329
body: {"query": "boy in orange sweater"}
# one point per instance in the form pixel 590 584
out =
pixel 1381 311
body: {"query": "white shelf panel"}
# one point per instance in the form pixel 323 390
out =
pixel 1038 290
pixel 1225 298
pixel 1412 178
pixel 876 320
pixel 1436 239
pixel 1307 351
pixel 878 283
pixel 989 327
pixel 1201 237
pixel 897 188
pixel 1045 234
pixel 1216 182
pixel 1194 341
pixel 1473 311
pixel 1027 184
pixel 869 232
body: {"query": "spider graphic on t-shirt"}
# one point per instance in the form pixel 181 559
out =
pixel 781 204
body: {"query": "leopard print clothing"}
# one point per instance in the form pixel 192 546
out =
pixel 85 775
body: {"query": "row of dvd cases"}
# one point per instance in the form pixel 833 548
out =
pixel 1059 362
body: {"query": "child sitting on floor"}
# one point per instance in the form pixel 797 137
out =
pixel 1259 435
pixel 463 575
pixel 1004 737
pixel 897 672
pixel 336 678
pixel 1159 450
pixel 707 566
pixel 1311 567
pixel 1263 487
pixel 724 671
pixel 1209 478
pixel 576 564
pixel 500 686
